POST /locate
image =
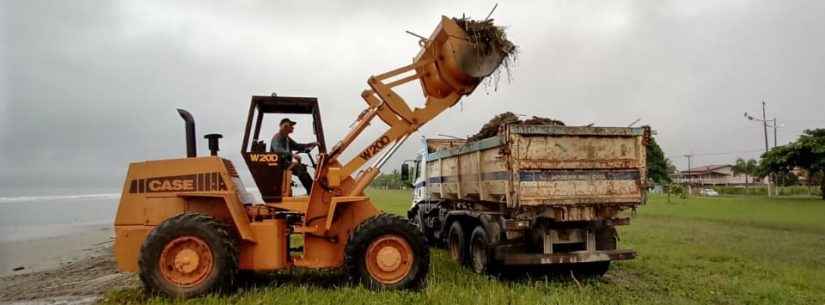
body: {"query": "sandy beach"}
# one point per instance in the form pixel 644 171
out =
pixel 70 269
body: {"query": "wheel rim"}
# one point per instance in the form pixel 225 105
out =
pixel 186 261
pixel 479 255
pixel 416 221
pixel 455 248
pixel 389 259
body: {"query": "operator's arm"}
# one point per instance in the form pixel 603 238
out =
pixel 300 146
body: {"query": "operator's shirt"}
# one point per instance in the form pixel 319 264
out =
pixel 285 146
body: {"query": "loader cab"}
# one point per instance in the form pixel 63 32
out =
pixel 271 170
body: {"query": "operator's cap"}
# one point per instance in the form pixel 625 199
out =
pixel 287 120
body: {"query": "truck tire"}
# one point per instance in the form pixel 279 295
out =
pixel 457 243
pixel 418 220
pixel 480 258
pixel 188 255
pixel 387 252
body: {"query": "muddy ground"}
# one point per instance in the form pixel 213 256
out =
pixel 82 281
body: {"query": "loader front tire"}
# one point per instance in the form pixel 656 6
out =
pixel 387 252
pixel 188 255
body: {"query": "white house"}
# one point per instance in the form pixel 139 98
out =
pixel 716 174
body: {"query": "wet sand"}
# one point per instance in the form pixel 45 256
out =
pixel 71 269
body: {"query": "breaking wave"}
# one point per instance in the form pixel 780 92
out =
pixel 16 199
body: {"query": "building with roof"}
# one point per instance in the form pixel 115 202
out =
pixel 714 175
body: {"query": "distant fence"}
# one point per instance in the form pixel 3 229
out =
pixel 762 190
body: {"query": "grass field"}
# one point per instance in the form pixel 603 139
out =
pixel 725 250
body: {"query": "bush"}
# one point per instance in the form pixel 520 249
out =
pixel 796 190
pixel 676 190
pixel 735 190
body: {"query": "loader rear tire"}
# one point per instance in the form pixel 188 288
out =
pixel 387 252
pixel 189 255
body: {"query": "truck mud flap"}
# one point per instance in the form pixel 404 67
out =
pixel 563 258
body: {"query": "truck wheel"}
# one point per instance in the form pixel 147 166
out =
pixel 418 221
pixel 457 243
pixel 187 256
pixel 480 259
pixel 387 252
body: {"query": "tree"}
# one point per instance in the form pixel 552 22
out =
pixel 388 181
pixel 658 167
pixel 788 179
pixel 807 152
pixel 748 168
pixel 671 168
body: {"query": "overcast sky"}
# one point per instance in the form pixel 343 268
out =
pixel 88 86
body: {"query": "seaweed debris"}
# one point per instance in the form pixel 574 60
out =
pixel 491 128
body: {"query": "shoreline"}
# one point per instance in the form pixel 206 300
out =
pixel 47 253
pixel 74 269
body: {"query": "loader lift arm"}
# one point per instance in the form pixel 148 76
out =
pixel 442 68
pixel 448 67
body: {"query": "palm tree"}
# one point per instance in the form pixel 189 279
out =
pixel 748 168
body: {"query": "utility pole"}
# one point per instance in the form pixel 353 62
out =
pixel 765 129
pixel 765 125
pixel 690 179
pixel 775 142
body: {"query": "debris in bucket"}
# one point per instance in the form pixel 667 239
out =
pixel 491 128
pixel 488 38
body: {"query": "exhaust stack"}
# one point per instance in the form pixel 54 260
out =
pixel 191 148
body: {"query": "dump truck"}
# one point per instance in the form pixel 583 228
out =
pixel 531 195
pixel 188 225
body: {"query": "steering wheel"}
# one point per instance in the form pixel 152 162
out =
pixel 308 152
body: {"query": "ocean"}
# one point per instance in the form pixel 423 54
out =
pixel 37 214
pixel 31 214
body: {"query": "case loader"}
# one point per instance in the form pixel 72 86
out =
pixel 188 225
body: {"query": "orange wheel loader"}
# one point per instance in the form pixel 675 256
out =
pixel 188 226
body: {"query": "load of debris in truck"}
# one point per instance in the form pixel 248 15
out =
pixel 490 129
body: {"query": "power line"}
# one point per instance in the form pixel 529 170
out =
pixel 722 153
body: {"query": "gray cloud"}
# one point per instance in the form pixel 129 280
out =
pixel 88 86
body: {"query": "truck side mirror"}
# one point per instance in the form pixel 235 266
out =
pixel 405 172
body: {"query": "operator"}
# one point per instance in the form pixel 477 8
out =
pixel 284 145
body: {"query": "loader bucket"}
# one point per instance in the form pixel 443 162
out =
pixel 451 61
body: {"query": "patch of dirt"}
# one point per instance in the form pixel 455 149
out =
pixel 80 282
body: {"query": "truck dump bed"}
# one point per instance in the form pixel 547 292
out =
pixel 543 165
